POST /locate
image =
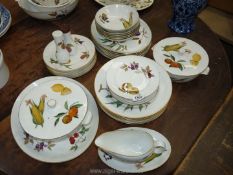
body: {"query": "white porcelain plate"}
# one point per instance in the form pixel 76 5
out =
pixel 52 108
pixel 135 44
pixel 132 111
pixel 181 56
pixel 5 20
pixel 138 4
pixel 86 53
pixel 133 77
pixel 63 150
pixel 143 166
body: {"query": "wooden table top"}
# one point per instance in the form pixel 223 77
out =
pixel 191 107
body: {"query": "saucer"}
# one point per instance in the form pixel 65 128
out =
pixel 43 121
pixel 75 73
pixel 138 4
pixel 135 112
pixel 62 150
pixel 133 79
pixel 147 165
pixel 5 20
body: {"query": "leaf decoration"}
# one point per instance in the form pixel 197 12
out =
pixel 74 148
pixel 84 55
pixel 56 121
pixel 57 2
pixel 66 105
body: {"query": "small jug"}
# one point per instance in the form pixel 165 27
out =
pixel 69 42
pixel 62 53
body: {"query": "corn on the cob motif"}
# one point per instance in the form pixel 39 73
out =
pixel 37 111
pixel 42 104
pixel 174 47
pixel 127 23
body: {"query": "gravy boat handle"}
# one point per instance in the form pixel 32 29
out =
pixel 159 146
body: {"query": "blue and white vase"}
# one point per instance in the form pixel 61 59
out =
pixel 184 14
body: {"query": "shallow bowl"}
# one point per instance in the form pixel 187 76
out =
pixel 117 18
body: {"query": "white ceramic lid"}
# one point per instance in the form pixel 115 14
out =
pixel 181 56
pixel 130 46
pixel 133 77
pixel 117 17
pixel 85 55
pixel 41 120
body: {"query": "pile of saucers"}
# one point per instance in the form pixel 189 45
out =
pixel 79 64
pixel 54 119
pixel 117 30
pixel 133 89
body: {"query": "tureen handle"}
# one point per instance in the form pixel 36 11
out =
pixel 206 71
pixel 87 118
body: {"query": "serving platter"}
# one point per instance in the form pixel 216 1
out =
pixel 61 150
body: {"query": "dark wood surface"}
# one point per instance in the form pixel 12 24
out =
pixel 191 107
pixel 213 152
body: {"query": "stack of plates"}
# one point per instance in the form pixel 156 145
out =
pixel 133 89
pixel 79 64
pixel 5 20
pixel 117 34
pixel 54 119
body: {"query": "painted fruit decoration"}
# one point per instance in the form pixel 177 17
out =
pixel 59 88
pixel 196 58
pixel 37 110
pixel 70 114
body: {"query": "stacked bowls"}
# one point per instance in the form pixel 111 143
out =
pixel 117 30
pixel 133 89
pixel 47 9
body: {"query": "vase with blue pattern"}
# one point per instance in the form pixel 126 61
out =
pixel 184 15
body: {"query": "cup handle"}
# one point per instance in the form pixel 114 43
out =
pixel 206 71
pixel 159 146
pixel 88 118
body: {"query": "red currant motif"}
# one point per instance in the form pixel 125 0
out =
pixel 72 140
pixel 76 135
